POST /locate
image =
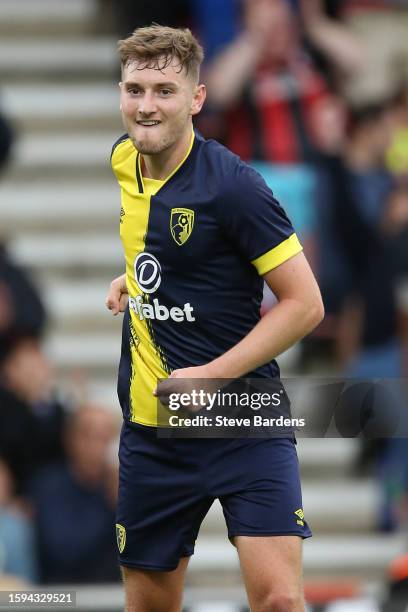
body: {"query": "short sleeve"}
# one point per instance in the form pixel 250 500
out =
pixel 255 222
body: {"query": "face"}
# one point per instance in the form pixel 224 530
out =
pixel 272 22
pixel 89 438
pixel 157 105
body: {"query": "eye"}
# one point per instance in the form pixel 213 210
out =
pixel 134 91
pixel 165 92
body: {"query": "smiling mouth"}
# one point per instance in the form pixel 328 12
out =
pixel 148 123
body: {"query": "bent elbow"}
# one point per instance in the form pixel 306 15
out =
pixel 316 313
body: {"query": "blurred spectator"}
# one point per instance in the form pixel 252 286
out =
pixel 264 88
pixel 17 544
pixel 74 504
pixel 392 472
pixel 381 26
pixel 217 23
pixel 6 139
pixel 21 309
pixel 31 419
pixel 333 204
pixel 397 596
pixel 369 185
pixel 383 343
pixel 131 15
pixel 335 45
pixel 396 232
pixel 397 154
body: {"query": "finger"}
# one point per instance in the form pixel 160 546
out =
pixel 112 305
pixel 165 388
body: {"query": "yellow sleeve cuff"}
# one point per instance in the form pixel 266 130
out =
pixel 276 256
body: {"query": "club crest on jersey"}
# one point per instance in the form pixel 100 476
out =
pixel 181 224
pixel 120 537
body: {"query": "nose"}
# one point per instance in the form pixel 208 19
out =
pixel 147 104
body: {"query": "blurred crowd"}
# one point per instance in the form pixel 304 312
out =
pixel 58 476
pixel 314 94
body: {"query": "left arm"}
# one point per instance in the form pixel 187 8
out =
pixel 335 40
pixel 298 311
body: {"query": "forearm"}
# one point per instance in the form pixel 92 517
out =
pixel 230 71
pixel 284 325
pixel 339 45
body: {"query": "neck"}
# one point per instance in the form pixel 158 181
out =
pixel 159 166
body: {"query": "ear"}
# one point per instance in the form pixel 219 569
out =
pixel 200 94
pixel 120 84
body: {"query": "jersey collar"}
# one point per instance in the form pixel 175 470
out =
pixel 139 176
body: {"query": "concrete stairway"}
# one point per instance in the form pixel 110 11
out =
pixel 59 206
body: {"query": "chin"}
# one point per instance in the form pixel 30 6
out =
pixel 149 148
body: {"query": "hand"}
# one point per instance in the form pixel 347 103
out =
pixel 260 19
pixel 117 298
pixel 188 381
pixel 312 10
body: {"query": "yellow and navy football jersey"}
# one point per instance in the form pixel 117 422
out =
pixel 196 246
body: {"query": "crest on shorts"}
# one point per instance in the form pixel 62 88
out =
pixel 181 224
pixel 300 514
pixel 121 537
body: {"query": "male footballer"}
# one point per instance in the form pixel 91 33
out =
pixel 201 232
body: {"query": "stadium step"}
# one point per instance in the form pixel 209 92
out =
pixel 35 58
pixel 358 556
pixel 64 206
pixel 222 599
pixel 44 252
pixel 54 108
pixel 327 504
pixel 53 156
pixel 92 352
pixel 26 17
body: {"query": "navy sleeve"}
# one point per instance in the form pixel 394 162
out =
pixel 254 220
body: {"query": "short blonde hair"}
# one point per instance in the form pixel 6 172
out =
pixel 156 46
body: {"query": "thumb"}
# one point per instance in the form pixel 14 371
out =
pixel 175 374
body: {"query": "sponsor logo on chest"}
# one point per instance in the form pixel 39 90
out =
pixel 148 276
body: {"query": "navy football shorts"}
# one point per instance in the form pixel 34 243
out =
pixel 167 485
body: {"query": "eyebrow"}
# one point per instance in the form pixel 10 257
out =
pixel 165 84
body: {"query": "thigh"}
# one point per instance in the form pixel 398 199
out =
pixel 263 496
pixel 272 571
pixel 152 591
pixel 160 504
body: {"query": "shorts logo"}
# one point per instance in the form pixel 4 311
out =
pixel 120 537
pixel 147 272
pixel 300 514
pixel 181 224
